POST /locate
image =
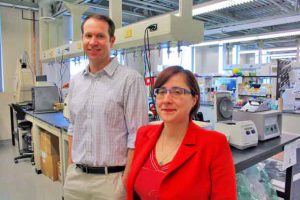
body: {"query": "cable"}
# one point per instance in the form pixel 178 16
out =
pixel 28 63
pixel 62 71
pixel 147 65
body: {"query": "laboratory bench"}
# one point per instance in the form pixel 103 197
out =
pixel 291 112
pixel 57 125
pixel 54 123
pixel 266 149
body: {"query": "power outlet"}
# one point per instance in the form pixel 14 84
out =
pixel 152 27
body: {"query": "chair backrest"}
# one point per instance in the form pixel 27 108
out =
pixel 20 114
pixel 199 116
pixel 25 125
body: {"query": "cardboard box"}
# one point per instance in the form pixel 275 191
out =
pixel 49 143
pixel 49 165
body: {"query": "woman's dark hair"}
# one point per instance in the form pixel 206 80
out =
pixel 111 24
pixel 191 81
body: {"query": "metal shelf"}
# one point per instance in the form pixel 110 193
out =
pixel 223 76
pixel 251 95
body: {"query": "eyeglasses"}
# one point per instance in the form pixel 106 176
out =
pixel 174 92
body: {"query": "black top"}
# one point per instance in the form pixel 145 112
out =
pixel 248 157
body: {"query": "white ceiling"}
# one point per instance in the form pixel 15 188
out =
pixel 256 17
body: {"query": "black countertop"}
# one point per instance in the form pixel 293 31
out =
pixel 266 149
pixel 291 111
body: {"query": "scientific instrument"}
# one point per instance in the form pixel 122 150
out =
pixel 268 123
pixel 223 106
pixel 256 106
pixel 240 134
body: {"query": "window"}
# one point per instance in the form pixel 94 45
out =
pixel 184 58
pixel 77 65
pixel 221 59
pixel 1 65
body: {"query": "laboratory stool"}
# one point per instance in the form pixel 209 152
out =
pixel 25 141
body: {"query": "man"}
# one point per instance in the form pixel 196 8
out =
pixel 108 102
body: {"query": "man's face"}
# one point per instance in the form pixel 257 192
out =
pixel 96 40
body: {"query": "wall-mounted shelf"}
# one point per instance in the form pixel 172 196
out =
pixel 229 76
pixel 252 95
pixel 242 90
pixel 71 50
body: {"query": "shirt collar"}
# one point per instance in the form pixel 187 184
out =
pixel 109 69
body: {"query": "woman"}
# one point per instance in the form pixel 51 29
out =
pixel 177 159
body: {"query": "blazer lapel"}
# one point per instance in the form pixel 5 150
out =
pixel 149 140
pixel 186 150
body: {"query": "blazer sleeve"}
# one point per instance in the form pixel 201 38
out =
pixel 222 172
pixel 139 134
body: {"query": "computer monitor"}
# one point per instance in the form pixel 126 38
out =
pixel 44 98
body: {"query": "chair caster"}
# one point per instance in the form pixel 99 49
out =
pixel 38 171
pixel 32 163
pixel 16 161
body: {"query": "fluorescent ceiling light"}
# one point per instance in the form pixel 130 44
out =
pixel 248 51
pixel 283 54
pixel 283 57
pixel 282 49
pixel 31 6
pixel 216 5
pixel 279 34
pixel 269 50
pixel 269 35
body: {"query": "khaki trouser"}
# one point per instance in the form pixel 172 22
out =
pixel 82 186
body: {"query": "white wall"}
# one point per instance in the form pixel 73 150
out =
pixel 16 37
pixel 290 123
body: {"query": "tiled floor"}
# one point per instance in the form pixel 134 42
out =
pixel 20 182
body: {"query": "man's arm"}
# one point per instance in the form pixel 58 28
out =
pixel 127 167
pixel 136 115
pixel 70 143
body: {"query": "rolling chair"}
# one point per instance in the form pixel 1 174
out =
pixel 199 117
pixel 24 137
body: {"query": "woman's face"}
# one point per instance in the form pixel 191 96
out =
pixel 175 106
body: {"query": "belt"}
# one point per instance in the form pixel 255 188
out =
pixel 100 170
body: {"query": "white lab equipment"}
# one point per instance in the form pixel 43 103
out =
pixel 268 123
pixel 163 29
pixel 288 98
pixel 256 106
pixel 240 134
pixel 223 106
pixel 24 83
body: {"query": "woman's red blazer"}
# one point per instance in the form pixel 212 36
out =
pixel 201 169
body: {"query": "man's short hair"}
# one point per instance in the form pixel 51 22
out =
pixel 111 24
